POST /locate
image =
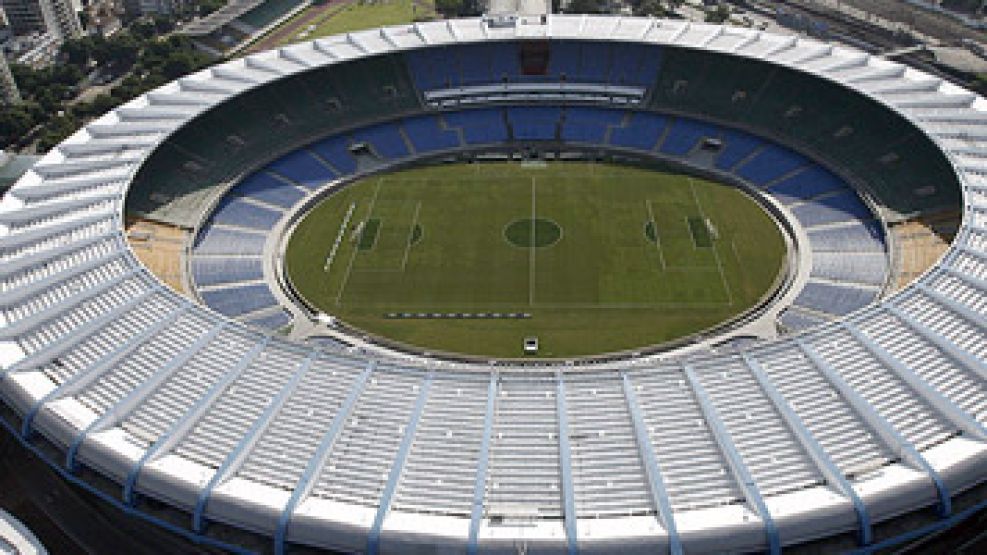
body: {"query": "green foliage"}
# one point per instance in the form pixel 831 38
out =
pixel 150 61
pixel 450 8
pixel 587 6
pixel 718 15
pixel 653 8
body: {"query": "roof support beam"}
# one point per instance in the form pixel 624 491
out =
pixel 30 322
pixel 659 494
pixel 40 257
pixel 318 459
pixel 736 463
pixel 881 427
pixel 945 407
pixel 83 379
pixel 45 230
pixel 118 411
pixel 482 464
pixel 825 465
pixel 974 282
pixel 31 290
pixel 231 464
pixel 176 432
pixel 565 464
pixel 952 350
pixel 963 310
pixel 373 538
pixel 78 334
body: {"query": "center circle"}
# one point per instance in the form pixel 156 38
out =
pixel 532 232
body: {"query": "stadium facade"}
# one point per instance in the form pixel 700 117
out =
pixel 814 439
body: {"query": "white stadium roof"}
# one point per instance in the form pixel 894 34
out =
pixel 345 452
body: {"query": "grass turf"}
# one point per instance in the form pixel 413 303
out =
pixel 626 270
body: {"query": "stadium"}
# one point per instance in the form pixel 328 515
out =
pixel 206 319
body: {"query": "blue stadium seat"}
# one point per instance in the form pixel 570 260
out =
pixel 805 184
pixel 385 138
pixel 265 187
pixel 840 207
pixel 235 301
pixel 641 133
pixel 273 322
pixel 634 64
pixel 427 135
pixel 483 126
pixel 239 213
pixel 685 135
pixel 797 320
pixel 217 240
pixel 834 299
pixel 584 132
pixel 770 164
pixel 335 150
pixel 302 168
pixel 869 268
pixel 737 145
pixel 208 271
pixel 858 236
pixel 534 123
pixel 599 116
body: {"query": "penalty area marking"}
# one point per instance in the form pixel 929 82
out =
pixel 411 233
pixel 349 267
pixel 339 237
pixel 654 226
pixel 716 254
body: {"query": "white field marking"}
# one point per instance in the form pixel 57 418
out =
pixel 531 255
pixel 356 248
pixel 339 237
pixel 411 232
pixel 654 225
pixel 453 306
pixel 716 254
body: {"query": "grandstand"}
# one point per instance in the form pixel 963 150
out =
pixel 838 435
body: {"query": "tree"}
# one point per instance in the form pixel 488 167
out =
pixel 587 6
pixel 15 121
pixel 652 8
pixel 718 15
pixel 449 8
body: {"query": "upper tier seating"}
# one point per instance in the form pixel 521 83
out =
pixel 496 63
pixel 816 196
pixel 895 159
pixel 219 144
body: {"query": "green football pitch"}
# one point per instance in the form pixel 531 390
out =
pixel 599 257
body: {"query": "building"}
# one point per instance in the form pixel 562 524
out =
pixel 138 8
pixel 57 17
pixel 8 88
